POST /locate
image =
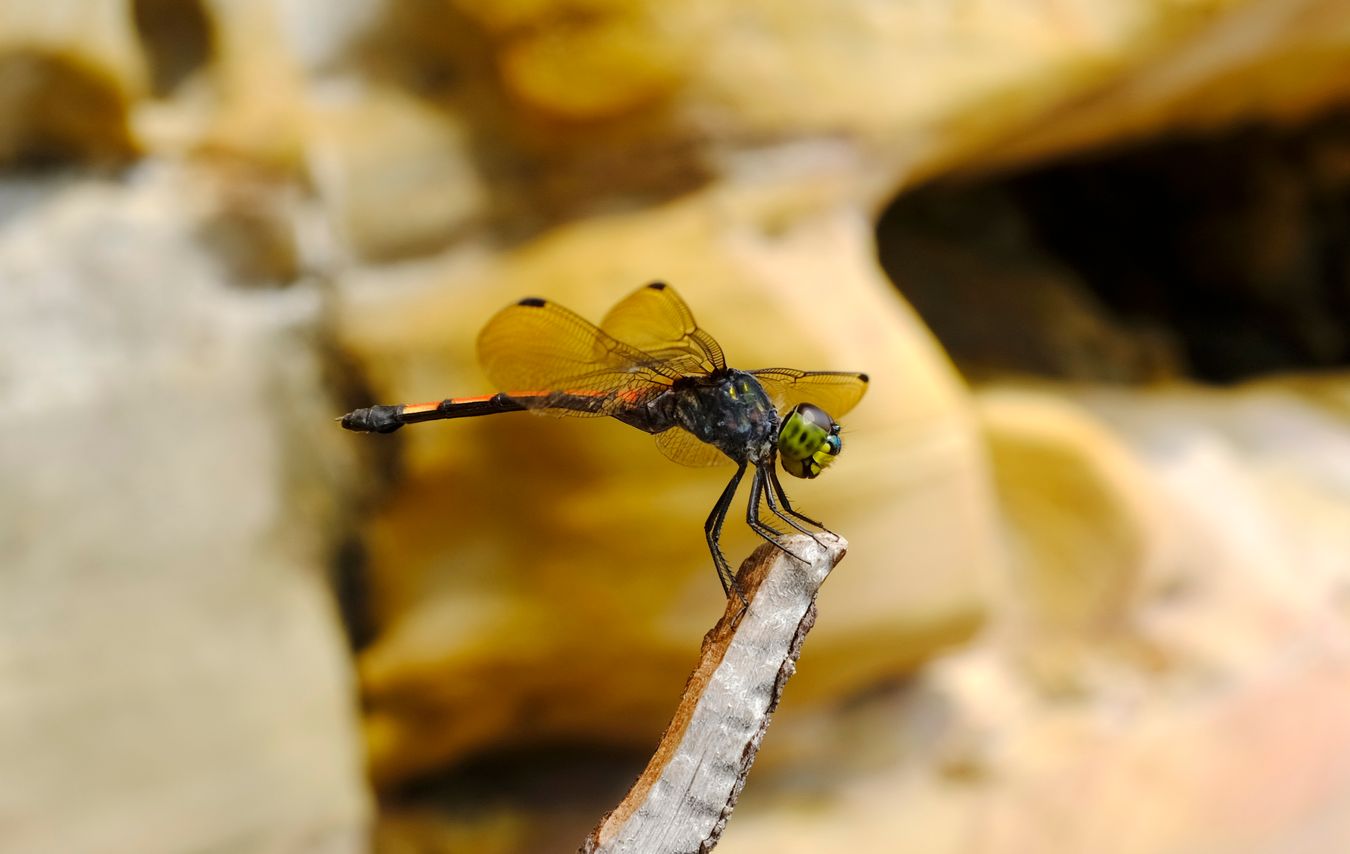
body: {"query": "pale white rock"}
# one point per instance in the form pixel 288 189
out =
pixel 175 676
pixel 1224 726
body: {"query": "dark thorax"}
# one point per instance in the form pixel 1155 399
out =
pixel 729 410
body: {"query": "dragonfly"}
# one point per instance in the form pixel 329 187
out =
pixel 649 365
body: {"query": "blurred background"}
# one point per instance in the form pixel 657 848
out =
pixel 1094 254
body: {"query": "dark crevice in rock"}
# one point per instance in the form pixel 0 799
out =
pixel 562 788
pixel 378 468
pixel 56 110
pixel 177 38
pixel 351 587
pixel 1219 257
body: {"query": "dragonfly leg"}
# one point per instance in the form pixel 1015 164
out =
pixel 712 529
pixel 773 506
pixel 752 517
pixel 787 505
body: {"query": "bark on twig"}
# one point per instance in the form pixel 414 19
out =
pixel 682 801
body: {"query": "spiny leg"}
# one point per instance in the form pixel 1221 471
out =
pixel 787 505
pixel 752 517
pixel 712 529
pixel 773 507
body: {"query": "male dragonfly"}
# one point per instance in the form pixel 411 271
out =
pixel 649 365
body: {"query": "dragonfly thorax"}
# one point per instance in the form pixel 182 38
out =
pixel 729 410
pixel 808 441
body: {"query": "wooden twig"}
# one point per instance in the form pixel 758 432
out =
pixel 682 801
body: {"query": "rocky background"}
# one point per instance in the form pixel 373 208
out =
pixel 1095 255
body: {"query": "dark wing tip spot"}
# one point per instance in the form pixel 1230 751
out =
pixel 658 286
pixel 533 302
pixel 864 378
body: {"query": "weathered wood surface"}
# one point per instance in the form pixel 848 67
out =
pixel 683 799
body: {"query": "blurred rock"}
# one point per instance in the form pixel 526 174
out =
pixel 174 671
pixel 1261 475
pixel 396 176
pixel 606 585
pixel 177 39
pixel 1237 246
pixel 575 106
pixel 1227 730
pixel 941 87
pixel 1086 534
pixel 68 74
pixel 257 85
pixel 253 225
pixel 1216 257
pixel 1196 68
pixel 969 257
pixel 768 70
pixel 181 486
pixel 575 63
pixel 1233 736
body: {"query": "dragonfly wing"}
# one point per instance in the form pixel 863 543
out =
pixel 561 364
pixel 836 392
pixel 686 449
pixel 656 321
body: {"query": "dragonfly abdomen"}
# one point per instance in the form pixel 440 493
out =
pixel 387 419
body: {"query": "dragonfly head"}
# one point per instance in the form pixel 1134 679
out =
pixel 808 440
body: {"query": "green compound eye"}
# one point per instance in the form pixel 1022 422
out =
pixel 808 441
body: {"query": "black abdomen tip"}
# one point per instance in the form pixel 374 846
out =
pixel 657 286
pixel 374 419
pixel 532 302
pixel 865 378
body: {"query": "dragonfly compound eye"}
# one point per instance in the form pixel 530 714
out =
pixel 808 441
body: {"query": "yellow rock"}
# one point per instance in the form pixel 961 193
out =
pixel 595 69
pixel 1202 66
pixel 564 71
pixel 395 174
pixel 68 74
pixel 258 82
pixel 1086 530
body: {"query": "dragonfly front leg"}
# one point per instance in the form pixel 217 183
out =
pixel 756 524
pixel 768 473
pixel 787 505
pixel 712 529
